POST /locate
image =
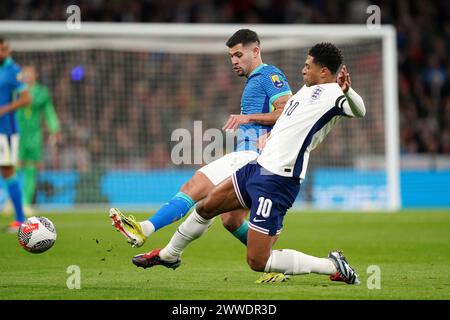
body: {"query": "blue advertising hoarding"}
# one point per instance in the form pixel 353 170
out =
pixel 331 188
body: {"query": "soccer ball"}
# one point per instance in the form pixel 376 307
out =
pixel 37 234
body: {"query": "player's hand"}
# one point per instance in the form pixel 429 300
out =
pixel 343 79
pixel 235 120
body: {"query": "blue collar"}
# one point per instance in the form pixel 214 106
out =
pixel 257 69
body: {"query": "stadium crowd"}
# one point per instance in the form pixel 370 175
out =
pixel 423 42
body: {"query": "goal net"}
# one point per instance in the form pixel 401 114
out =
pixel 141 107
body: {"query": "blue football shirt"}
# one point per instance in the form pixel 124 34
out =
pixel 10 85
pixel 264 85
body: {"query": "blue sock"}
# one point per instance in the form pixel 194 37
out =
pixel 241 232
pixel 172 211
pixel 15 193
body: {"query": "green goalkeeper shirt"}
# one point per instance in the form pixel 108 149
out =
pixel 30 117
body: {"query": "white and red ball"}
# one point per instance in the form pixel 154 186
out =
pixel 37 234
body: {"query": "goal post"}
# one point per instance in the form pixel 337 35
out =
pixel 123 90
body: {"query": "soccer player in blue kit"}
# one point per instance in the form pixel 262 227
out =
pixel 269 186
pixel 263 99
pixel 13 95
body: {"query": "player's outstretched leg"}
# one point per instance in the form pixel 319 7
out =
pixel 192 228
pixel 176 208
pixel 152 258
pixel 128 226
pixel 195 189
pixel 344 272
pixel 294 262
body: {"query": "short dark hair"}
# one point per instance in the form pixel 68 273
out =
pixel 244 36
pixel 327 55
pixel 2 40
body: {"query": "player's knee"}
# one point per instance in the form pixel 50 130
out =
pixel 188 188
pixel 231 223
pixel 202 209
pixel 256 263
pixel 197 186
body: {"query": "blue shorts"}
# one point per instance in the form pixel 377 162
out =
pixel 268 196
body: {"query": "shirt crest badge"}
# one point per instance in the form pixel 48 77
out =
pixel 316 93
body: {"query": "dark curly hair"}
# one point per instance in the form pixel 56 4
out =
pixel 327 55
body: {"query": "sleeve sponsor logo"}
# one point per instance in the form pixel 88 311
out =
pixel 277 82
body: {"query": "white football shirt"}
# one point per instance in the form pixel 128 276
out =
pixel 307 118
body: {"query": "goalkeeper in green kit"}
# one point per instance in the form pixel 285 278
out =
pixel 30 120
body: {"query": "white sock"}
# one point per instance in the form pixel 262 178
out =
pixel 147 227
pixel 192 228
pixel 289 261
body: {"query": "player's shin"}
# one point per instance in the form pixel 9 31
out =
pixel 293 262
pixel 192 228
pixel 172 211
pixel 241 232
pixel 235 223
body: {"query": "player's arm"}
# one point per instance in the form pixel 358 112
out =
pixel 267 119
pixel 23 100
pixel 353 104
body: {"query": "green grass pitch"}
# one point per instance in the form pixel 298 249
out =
pixel 411 248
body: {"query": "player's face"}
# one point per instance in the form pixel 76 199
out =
pixel 4 51
pixel 29 75
pixel 311 72
pixel 241 59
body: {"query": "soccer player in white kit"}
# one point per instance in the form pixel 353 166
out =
pixel 269 186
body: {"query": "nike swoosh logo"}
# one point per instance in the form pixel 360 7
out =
pixel 257 220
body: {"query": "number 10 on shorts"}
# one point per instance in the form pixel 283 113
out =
pixel 265 205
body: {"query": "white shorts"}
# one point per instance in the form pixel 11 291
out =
pixel 222 168
pixel 9 148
